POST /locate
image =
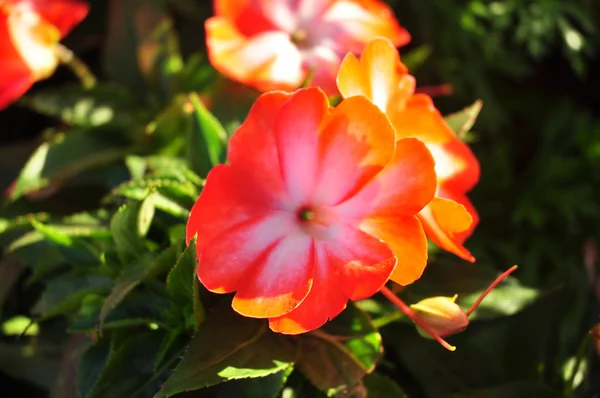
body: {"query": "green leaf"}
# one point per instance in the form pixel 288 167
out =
pixel 181 278
pixel 91 107
pixel 416 58
pixel 64 294
pixel 462 121
pixel 146 267
pixel 91 366
pixel 129 370
pixel 52 234
pixel 380 386
pixel 337 357
pixel 128 226
pixel 263 387
pixel 206 146
pixel 228 347
pixel 65 156
pixel 513 390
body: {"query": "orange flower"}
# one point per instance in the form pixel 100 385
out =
pixel 380 76
pixel 274 44
pixel 316 206
pixel 29 32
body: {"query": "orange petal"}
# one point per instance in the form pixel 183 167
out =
pixel 376 76
pixel 281 281
pixel 267 60
pixel 355 144
pixel 406 238
pixel 228 262
pixel 462 199
pixel 297 134
pixel 247 16
pixel 443 220
pixel 403 188
pixel 420 119
pixel 362 20
pixel 355 265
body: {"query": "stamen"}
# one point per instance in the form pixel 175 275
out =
pixel 489 289
pixel 412 315
pixel 299 36
pixel 307 215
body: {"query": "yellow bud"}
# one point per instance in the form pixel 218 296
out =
pixel 441 314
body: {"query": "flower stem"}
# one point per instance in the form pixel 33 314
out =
pixel 412 315
pixel 489 289
pixel 77 66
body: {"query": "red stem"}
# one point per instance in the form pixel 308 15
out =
pixel 489 289
pixel 412 315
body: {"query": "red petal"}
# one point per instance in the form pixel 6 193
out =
pixel 64 14
pixel 443 221
pixel 403 188
pixel 280 281
pixel 15 76
pixel 297 134
pixel 354 265
pixel 227 262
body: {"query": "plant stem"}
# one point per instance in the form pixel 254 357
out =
pixel 77 66
pixel 489 289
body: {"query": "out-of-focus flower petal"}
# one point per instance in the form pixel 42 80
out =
pixel 15 75
pixel 406 238
pixel 267 61
pixel 63 14
pixel 282 280
pixel 443 220
pixel 363 20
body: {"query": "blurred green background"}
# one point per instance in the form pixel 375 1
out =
pixel 534 64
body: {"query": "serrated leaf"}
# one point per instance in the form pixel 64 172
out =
pixel 462 121
pixel 87 107
pixel 129 370
pixel 337 357
pixel 380 386
pixel 264 387
pixel 146 267
pixel 181 278
pixel 206 145
pixel 64 294
pixel 90 367
pixel 124 226
pixel 65 156
pixel 228 347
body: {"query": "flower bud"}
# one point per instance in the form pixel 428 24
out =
pixel 441 314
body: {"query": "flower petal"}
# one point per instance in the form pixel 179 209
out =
pixel 355 265
pixel 297 133
pixel 229 198
pixel 376 76
pixel 227 262
pixel 15 76
pixel 267 61
pixel 402 188
pixel 462 199
pixel 420 119
pixel 406 238
pixel 458 168
pixel 360 21
pixel 247 15
pixel 63 14
pixel 443 220
pixel 355 144
pixel 280 281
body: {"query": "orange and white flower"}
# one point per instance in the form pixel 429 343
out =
pixel 380 76
pixel 29 33
pixel 275 44
pixel 317 205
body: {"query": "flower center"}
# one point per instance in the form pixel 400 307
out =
pixel 299 37
pixel 306 214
